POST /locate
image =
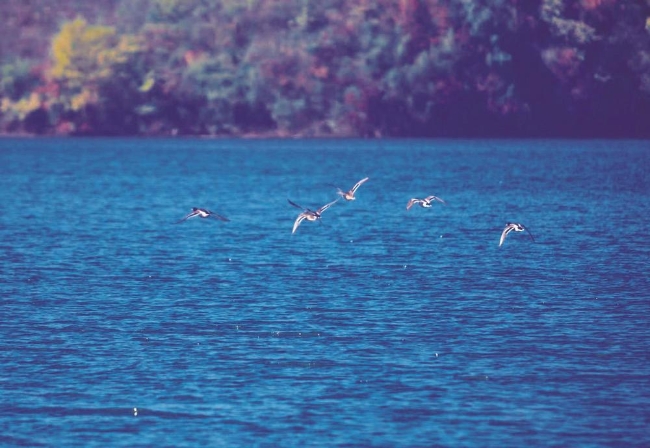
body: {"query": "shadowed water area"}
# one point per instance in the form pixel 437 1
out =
pixel 377 326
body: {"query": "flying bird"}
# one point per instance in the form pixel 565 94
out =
pixel 349 195
pixel 309 215
pixel 202 213
pixel 517 228
pixel 426 202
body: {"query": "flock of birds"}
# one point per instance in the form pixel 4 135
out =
pixel 315 215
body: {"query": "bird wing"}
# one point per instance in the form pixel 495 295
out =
pixel 218 216
pixel 530 234
pixel 358 184
pixel 301 217
pixel 296 205
pixel 505 233
pixel 434 198
pixel 190 215
pixel 325 207
pixel 411 202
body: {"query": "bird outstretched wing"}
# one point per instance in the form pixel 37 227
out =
pixel 189 215
pixel 358 184
pixel 412 202
pixel 326 206
pixel 301 218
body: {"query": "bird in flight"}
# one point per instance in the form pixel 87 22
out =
pixel 309 215
pixel 517 228
pixel 203 213
pixel 426 202
pixel 349 195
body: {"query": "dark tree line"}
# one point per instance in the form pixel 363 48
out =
pixel 419 68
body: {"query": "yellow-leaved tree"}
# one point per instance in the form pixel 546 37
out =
pixel 86 57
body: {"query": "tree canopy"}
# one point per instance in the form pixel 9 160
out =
pixel 418 68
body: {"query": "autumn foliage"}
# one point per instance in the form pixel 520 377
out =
pixel 417 68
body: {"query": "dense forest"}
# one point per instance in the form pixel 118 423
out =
pixel 362 68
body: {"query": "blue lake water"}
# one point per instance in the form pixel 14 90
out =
pixel 377 326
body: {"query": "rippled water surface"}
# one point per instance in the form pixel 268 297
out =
pixel 376 327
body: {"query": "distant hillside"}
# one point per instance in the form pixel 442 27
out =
pixel 421 68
